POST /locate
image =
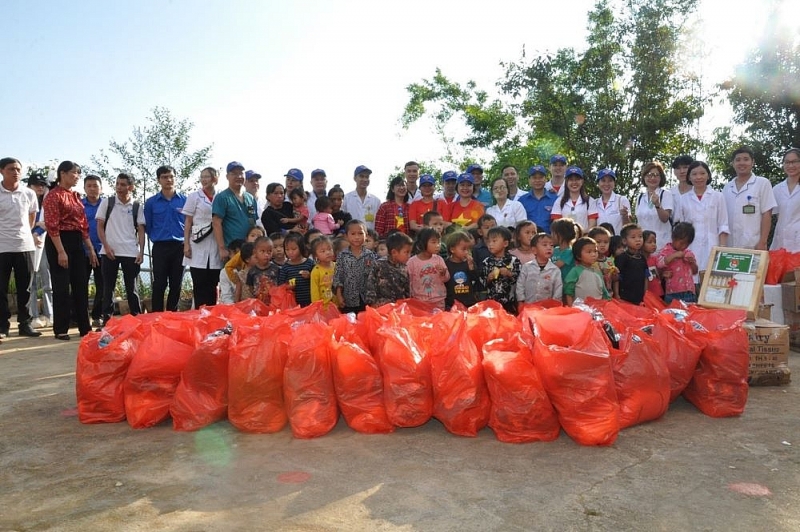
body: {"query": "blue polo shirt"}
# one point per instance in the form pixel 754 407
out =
pixel 91 214
pixel 163 218
pixel 538 209
pixel 485 197
pixel 237 216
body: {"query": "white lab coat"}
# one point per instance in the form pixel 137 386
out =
pixel 709 216
pixel 648 220
pixel 579 211
pixel 610 211
pixel 510 215
pixel 787 230
pixel 745 229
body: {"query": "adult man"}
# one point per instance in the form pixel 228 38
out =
pixel 539 201
pixel 411 174
pixel 510 174
pixel 750 201
pixel 18 207
pixel 480 194
pixel 359 203
pixel 319 184
pixel 558 172
pixel 120 227
pixel 164 223
pixel 449 185
pixel 92 187
pixel 680 169
pixel 251 184
pixel 233 211
pixel 40 268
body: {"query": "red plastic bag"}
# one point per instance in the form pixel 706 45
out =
pixel 202 395
pixel 488 320
pixel 407 390
pixel 777 266
pixel 253 306
pixel 641 379
pixel 579 381
pixel 100 371
pixel 719 386
pixel 155 371
pixel 560 326
pixel 520 408
pixel 653 302
pixel 282 297
pixel 460 397
pixel 359 388
pixel 257 356
pixel 308 382
pixel 680 352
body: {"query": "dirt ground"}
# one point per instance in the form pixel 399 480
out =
pixel 683 472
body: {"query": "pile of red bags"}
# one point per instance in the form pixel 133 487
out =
pixel 591 370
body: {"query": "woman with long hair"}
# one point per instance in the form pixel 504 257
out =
pixel 393 213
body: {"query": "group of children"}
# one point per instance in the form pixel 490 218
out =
pixel 356 269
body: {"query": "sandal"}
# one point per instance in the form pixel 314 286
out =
pixel 64 337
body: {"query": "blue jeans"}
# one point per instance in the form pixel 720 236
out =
pixel 686 297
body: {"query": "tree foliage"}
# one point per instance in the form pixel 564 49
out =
pixel 622 101
pixel 164 141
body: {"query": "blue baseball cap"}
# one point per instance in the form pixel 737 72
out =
pixel 252 174
pixel 466 176
pixel 294 173
pixel 427 179
pixel 361 168
pixel 449 176
pixel 318 171
pixel 471 168
pixel 537 169
pixel 574 170
pixel 558 158
pixel 606 172
pixel 233 165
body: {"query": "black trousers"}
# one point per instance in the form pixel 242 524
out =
pixel 97 305
pixel 167 269
pixel 70 291
pixel 130 270
pixel 205 283
pixel 21 263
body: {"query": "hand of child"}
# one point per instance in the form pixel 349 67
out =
pixel 470 262
pixel 284 220
pixel 305 274
pixel 690 259
pixel 339 301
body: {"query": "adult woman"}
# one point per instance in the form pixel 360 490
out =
pixel 67 233
pixel 199 247
pixel 393 213
pixel 705 209
pixel 787 194
pixel 277 210
pixel 507 212
pixel 611 207
pixel 655 205
pixel 574 203
pixel 466 210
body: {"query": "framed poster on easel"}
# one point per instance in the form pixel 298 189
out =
pixel 734 279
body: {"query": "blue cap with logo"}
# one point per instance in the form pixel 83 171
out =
pixel 473 167
pixel 558 158
pixel 574 170
pixel 252 174
pixel 318 171
pixel 449 176
pixel 466 176
pixel 360 169
pixel 537 169
pixel 294 173
pixel 427 179
pixel 606 172
pixel 233 165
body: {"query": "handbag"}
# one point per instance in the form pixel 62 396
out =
pixel 202 233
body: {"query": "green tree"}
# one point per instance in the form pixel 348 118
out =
pixel 165 140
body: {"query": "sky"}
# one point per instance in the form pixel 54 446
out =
pixel 282 84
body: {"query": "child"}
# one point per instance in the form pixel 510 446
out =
pixel 427 272
pixel 235 264
pixel 388 279
pixel 435 221
pixel 480 251
pixel 371 242
pixel 323 220
pixel 584 280
pixel 339 244
pixel 604 260
pixel 648 250
pixel 322 274
pixel 352 267
pixel 632 266
pixel 382 250
pixel 311 235
pixel 278 256
pixel 539 278
pixel 336 194
pixel 263 273
pixel 296 271
pixel 300 217
pixel 246 253
pixel 461 267
pixel 524 233
pixel 500 270
pixel 616 247
pixel 227 287
pixel 678 264
pixel 564 235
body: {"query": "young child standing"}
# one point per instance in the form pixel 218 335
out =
pixel 584 280
pixel 480 250
pixel 500 270
pixel 322 273
pixel 278 256
pixel 352 267
pixel 323 220
pixel 605 261
pixel 632 266
pixel 236 264
pixel 539 278
pixel 427 271
pixel 296 271
pixel 649 252
pixel 461 267
pixel 247 255
pixel 679 265
pixel 564 235
pixel 371 240
pixel 263 273
pixel 524 233
pixel 388 279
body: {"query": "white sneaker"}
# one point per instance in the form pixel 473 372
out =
pixel 39 323
pixel 48 322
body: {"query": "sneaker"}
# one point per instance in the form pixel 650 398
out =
pixel 26 330
pixel 39 323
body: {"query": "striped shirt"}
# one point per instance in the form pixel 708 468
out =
pixel 302 286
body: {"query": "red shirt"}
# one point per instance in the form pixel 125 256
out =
pixel 468 215
pixel 390 216
pixel 63 211
pixel 417 209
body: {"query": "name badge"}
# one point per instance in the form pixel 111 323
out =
pixel 749 209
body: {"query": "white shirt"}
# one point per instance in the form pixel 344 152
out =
pixel 787 230
pixel 709 216
pixel 745 228
pixel 120 234
pixel 578 211
pixel 519 194
pixel 205 254
pixel 610 212
pixel 361 210
pixel 16 208
pixel 510 215
pixel 647 216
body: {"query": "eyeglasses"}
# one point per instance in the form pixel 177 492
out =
pixel 652 174
pixel 792 162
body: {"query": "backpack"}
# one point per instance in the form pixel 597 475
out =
pixel 110 207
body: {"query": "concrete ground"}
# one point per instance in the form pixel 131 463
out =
pixel 683 472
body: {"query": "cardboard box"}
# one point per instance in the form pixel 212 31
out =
pixel 764 311
pixel 769 353
pixel 792 321
pixel 790 293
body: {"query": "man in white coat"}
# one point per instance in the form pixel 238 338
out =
pixel 749 200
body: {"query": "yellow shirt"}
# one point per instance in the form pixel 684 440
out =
pixel 322 283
